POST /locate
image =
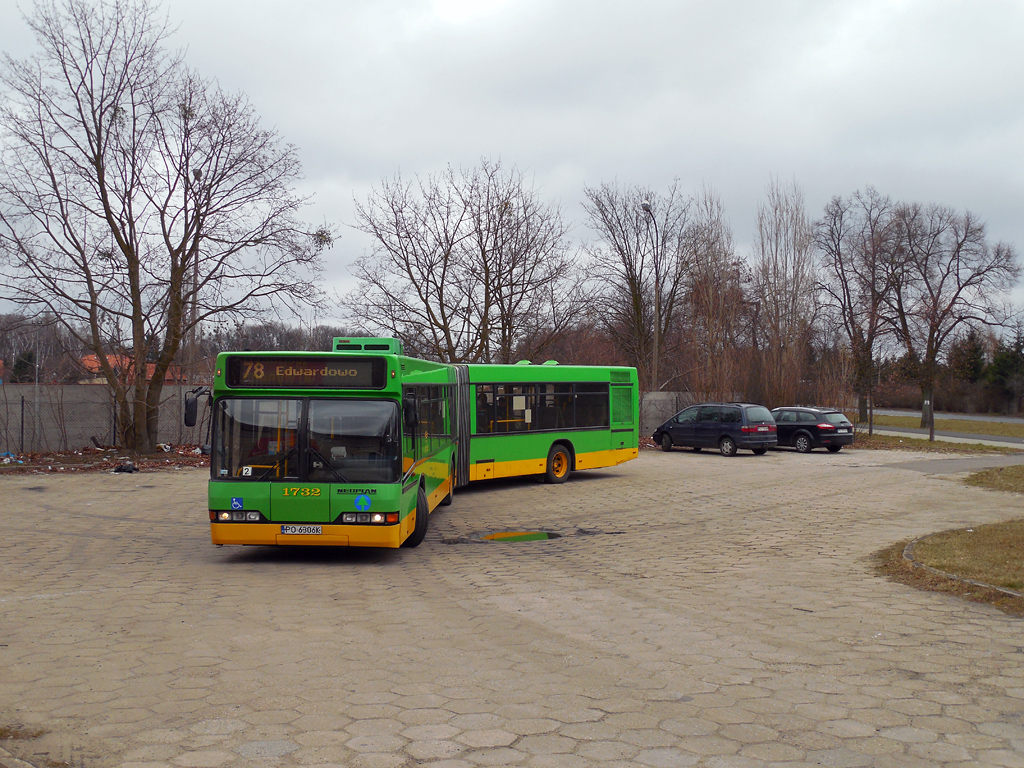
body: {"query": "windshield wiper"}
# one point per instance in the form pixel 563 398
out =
pixel 327 464
pixel 283 457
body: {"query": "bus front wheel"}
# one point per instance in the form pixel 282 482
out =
pixel 559 463
pixel 419 530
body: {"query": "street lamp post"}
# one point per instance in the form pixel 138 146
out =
pixel 657 295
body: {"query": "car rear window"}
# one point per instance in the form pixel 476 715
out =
pixel 835 417
pixel 758 413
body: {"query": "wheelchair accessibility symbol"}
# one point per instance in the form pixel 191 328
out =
pixel 236 503
pixel 362 502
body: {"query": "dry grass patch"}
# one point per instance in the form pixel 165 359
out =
pixel 891 564
pixel 11 732
pixel 988 553
pixel 999 479
pixel 896 443
pixel 991 554
pixel 968 426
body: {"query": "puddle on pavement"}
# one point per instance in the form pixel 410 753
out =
pixel 509 536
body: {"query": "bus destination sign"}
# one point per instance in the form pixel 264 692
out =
pixel 305 372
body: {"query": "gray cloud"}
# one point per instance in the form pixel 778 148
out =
pixel 920 98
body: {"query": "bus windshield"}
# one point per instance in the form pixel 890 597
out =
pixel 353 441
pixel 335 441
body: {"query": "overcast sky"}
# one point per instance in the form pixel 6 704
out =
pixel 923 99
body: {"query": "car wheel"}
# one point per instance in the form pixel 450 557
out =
pixel 802 443
pixel 727 446
pixel 419 530
pixel 558 464
pixel 759 451
pixel 834 448
pixel 666 442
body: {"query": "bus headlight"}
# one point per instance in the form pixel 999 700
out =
pixel 370 518
pixel 236 516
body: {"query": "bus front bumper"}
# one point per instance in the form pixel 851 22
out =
pixel 328 535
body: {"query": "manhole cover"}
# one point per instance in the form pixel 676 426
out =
pixel 521 536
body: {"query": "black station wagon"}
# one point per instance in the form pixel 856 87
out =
pixel 808 428
pixel 725 426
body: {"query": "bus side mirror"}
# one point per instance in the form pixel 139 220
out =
pixel 192 405
pixel 191 409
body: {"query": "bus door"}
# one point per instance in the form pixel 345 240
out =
pixel 274 459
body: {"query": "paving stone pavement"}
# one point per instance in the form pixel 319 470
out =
pixel 697 611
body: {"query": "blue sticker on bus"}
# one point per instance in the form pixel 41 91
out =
pixel 237 503
pixel 362 502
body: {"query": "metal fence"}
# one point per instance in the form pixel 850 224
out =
pixel 37 418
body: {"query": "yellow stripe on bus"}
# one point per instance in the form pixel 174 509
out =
pixel 439 493
pixel 592 460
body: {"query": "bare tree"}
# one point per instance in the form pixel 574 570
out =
pixel 519 248
pixel 414 283
pixel 642 262
pixel 859 243
pixel 718 313
pixel 273 334
pixel 785 285
pixel 467 266
pixel 950 277
pixel 138 200
pixel 41 346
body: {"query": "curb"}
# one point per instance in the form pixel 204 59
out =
pixel 908 555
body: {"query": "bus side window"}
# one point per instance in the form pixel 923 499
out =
pixel 484 409
pixel 591 405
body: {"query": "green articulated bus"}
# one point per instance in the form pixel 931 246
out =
pixel 355 447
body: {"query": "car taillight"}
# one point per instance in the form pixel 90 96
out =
pixel 823 425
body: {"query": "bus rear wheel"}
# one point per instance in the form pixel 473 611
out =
pixel 419 531
pixel 558 464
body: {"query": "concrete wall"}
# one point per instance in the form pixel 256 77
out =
pixel 62 417
pixel 657 407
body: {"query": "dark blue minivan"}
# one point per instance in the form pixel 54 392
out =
pixel 725 426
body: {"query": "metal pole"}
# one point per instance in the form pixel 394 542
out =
pixel 22 449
